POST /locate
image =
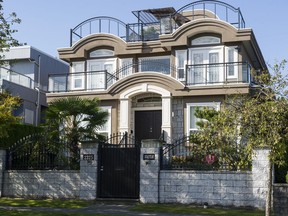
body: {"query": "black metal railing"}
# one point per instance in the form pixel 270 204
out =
pixel 121 139
pixel 101 24
pixel 185 155
pixel 101 80
pixel 220 10
pixel 34 152
pixel 80 81
pixel 230 72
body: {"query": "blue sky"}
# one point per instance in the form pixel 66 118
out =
pixel 46 23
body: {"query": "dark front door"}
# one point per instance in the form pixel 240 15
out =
pixel 118 171
pixel 148 124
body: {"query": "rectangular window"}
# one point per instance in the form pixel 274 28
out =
pixel 155 64
pixel 206 66
pixel 100 73
pixel 126 67
pixel 77 78
pixel 105 130
pixel 192 119
pixel 231 60
pixel 181 61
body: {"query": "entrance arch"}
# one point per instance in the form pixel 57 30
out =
pixel 125 107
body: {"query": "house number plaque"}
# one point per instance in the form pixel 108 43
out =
pixel 88 157
pixel 148 156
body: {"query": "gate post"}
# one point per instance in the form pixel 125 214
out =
pixel 2 169
pixel 260 176
pixel 150 171
pixel 88 170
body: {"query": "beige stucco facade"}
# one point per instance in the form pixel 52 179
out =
pixel 170 92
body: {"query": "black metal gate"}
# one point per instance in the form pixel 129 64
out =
pixel 118 170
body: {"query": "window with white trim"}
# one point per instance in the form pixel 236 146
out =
pixel 191 110
pixel 77 78
pixel 125 67
pixel 101 53
pixel 232 60
pixel 181 61
pixel 105 130
pixel 204 40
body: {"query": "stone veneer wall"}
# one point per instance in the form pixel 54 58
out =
pixel 53 183
pixel 41 184
pixel 177 118
pixel 280 199
pixel 237 188
pixel 215 188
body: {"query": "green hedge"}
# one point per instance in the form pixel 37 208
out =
pixel 17 132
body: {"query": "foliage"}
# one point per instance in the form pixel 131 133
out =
pixel 287 178
pixel 17 132
pixel 246 122
pixel 73 119
pixel 7 104
pixel 6 31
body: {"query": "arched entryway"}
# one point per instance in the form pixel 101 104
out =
pixel 145 120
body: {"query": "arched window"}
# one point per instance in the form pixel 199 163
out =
pixel 204 40
pixel 101 53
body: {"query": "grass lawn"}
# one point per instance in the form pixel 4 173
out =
pixel 45 203
pixel 165 208
pixel 30 213
pixel 190 209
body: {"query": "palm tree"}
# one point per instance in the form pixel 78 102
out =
pixel 73 119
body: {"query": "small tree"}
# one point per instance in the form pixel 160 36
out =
pixel 6 31
pixel 7 104
pixel 252 121
pixel 74 119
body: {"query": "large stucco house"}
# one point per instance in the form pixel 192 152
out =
pixel 151 75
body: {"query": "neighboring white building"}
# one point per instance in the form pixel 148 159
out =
pixel 25 74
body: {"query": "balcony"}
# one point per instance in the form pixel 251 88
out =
pixel 154 22
pixel 192 75
pixel 14 77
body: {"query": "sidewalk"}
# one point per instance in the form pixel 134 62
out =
pixel 113 209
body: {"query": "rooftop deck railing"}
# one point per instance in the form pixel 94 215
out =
pixel 145 31
pixel 220 10
pixel 18 78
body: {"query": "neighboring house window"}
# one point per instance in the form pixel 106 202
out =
pixel 29 116
pixel 105 130
pixel 125 67
pixel 77 78
pixel 204 40
pixel 232 60
pixel 155 64
pixel 181 61
pixel 192 119
pixel 101 53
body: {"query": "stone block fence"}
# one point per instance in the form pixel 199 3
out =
pixel 239 188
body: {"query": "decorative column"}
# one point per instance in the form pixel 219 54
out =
pixel 260 176
pixel 88 170
pixel 166 117
pixel 150 171
pixel 124 115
